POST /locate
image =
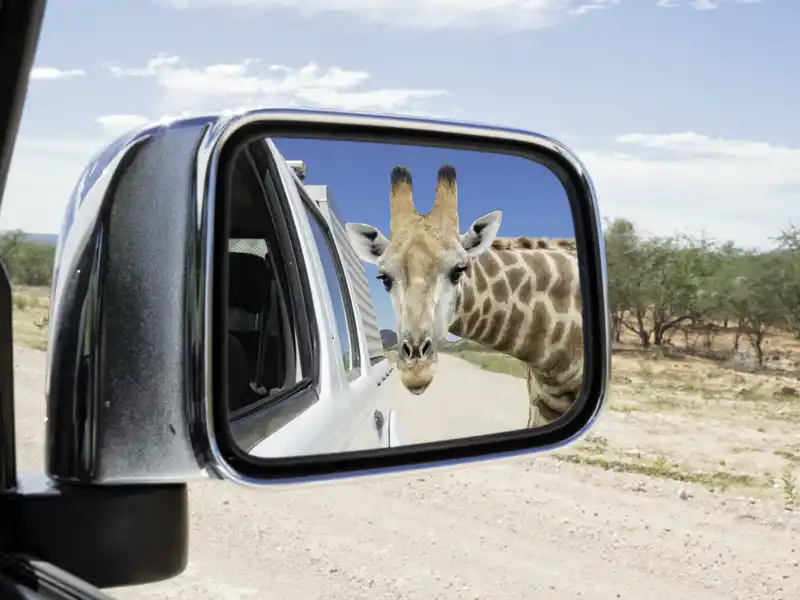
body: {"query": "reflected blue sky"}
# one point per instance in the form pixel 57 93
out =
pixel 531 197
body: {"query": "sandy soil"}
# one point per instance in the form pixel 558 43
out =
pixel 545 527
pixel 450 408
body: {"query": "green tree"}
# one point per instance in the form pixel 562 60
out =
pixel 787 277
pixel 656 282
pixel 661 285
pixel 752 297
pixel 624 260
pixel 28 263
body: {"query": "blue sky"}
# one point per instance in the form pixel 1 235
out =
pixel 532 199
pixel 684 111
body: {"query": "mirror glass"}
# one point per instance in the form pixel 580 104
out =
pixel 441 291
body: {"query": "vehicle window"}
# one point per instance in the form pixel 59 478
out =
pixel 337 286
pixel 257 315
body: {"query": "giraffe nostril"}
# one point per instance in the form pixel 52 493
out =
pixel 406 348
pixel 426 348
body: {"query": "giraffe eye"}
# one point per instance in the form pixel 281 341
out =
pixel 387 281
pixel 456 274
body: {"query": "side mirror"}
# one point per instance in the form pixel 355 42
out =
pixel 270 297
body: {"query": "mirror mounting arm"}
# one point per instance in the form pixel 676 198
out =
pixel 109 535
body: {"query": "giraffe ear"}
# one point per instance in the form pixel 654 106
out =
pixel 368 243
pixel 481 233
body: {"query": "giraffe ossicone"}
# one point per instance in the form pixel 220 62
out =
pixel 518 296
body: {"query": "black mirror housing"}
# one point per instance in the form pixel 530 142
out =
pixel 125 347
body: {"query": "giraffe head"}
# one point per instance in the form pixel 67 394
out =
pixel 420 265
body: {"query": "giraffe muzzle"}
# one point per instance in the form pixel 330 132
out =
pixel 418 390
pixel 417 364
pixel 416 378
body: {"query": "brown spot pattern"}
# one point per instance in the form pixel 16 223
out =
pixel 472 320
pixel 468 299
pixel 568 245
pixel 481 328
pixel 554 365
pixel 536 339
pixel 457 307
pixel 558 332
pixel 508 258
pixel 501 244
pixel 526 292
pixel 541 270
pixel 575 340
pixel 490 264
pixel 495 328
pixel 514 277
pixel 548 413
pixel 540 243
pixel 457 327
pixel 561 292
pixel 487 306
pixel 500 291
pixel 481 285
pixel 515 320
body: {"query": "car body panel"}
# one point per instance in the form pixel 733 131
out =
pixel 342 419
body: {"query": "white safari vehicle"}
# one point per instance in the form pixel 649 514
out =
pixel 354 410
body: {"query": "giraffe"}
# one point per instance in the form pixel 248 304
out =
pixel 518 296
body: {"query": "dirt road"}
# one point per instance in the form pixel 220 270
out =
pixel 452 407
pixel 530 528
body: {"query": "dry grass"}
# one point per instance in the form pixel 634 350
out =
pixel 391 356
pixel 491 361
pixel 674 415
pixel 662 469
pixel 31 309
pixel 691 418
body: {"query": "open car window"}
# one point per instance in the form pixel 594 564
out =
pixel 264 370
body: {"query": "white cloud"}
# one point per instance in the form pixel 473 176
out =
pixel 517 15
pixel 745 191
pixel 42 175
pixel 118 124
pixel 53 74
pixel 703 4
pixel 510 15
pixel 247 84
pixel 44 171
pixel 592 6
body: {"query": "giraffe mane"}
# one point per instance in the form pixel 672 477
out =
pixel 538 243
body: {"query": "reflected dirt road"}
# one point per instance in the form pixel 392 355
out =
pixel 462 401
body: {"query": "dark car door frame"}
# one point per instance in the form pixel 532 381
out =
pixel 22 578
pixel 20 25
pixel 43 521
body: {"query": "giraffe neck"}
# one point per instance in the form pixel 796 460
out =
pixel 522 298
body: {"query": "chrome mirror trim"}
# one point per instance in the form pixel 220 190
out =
pixel 208 157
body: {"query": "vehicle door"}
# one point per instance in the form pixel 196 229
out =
pixel 321 424
pixel 355 378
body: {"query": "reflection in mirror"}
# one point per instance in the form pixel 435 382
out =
pixel 442 292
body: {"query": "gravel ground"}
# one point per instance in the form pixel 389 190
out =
pixel 524 528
